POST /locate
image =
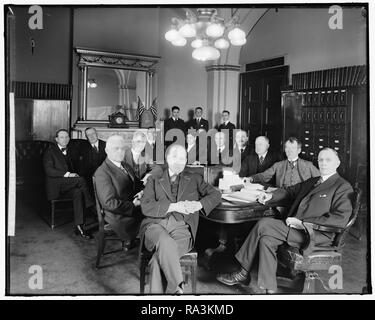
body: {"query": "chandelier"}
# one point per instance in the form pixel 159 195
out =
pixel 208 31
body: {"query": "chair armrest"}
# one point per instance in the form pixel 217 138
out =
pixel 309 245
pixel 319 227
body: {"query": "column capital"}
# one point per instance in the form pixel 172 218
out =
pixel 223 67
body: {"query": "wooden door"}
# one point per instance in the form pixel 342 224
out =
pixel 261 104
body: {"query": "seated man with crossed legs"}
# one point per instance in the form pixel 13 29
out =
pixel 323 200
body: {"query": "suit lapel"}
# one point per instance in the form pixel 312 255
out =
pixel 165 184
pixel 183 183
pixel 285 167
pixel 325 185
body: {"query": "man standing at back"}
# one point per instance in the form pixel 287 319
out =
pixel 63 181
pixel 174 122
pixel 198 123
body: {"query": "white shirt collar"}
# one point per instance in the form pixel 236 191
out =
pixel 174 119
pixel 116 163
pixel 96 144
pixel 226 123
pixel 220 149
pixel 198 119
pixel 262 155
pixel 170 173
pixel 295 159
pixel 190 147
pixel 324 178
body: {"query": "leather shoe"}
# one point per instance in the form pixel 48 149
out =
pixel 237 277
pixel 82 233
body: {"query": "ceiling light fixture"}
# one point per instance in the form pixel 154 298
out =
pixel 209 33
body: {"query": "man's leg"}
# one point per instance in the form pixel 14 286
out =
pixel 180 233
pixel 165 257
pixel 170 240
pixel 70 190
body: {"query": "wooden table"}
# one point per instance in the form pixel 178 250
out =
pixel 229 213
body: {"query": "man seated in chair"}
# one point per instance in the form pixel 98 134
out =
pixel 63 181
pixel 116 189
pixel 260 160
pixel 171 204
pixel 290 171
pixel 324 200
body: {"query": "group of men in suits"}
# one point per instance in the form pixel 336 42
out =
pixel 162 203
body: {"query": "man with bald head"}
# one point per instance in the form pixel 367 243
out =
pixel 324 200
pixel 116 187
pixel 171 203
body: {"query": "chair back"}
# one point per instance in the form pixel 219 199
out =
pixel 356 203
pixel 99 208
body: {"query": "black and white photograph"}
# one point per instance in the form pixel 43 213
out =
pixel 192 150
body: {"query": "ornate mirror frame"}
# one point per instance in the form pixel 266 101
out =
pixel 103 59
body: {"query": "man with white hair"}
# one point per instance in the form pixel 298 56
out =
pixel 116 187
pixel 171 203
pixel 136 158
pixel 324 201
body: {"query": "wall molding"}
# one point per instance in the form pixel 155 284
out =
pixel 223 67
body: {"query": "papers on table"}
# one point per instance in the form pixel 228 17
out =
pixel 253 186
pixel 245 195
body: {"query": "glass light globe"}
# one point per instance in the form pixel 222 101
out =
pixel 213 53
pixel 179 42
pixel 215 30
pixel 236 34
pixel 172 35
pixel 201 53
pixel 187 30
pixel 238 42
pixel 221 43
pixel 197 43
pixel 206 53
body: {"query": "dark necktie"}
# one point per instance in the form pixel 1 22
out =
pixel 63 150
pixel 95 148
pixel 261 159
pixel 292 164
pixel 241 150
pixel 318 182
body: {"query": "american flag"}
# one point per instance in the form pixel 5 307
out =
pixel 154 109
pixel 141 108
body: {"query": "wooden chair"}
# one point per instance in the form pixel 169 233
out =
pixel 188 264
pixel 54 209
pixel 103 234
pixel 312 258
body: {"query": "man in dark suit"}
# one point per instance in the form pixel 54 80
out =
pixel 227 126
pixel 171 204
pixel 174 122
pixel 219 152
pixel 240 149
pixel 116 188
pixel 63 181
pixel 324 200
pixel 150 147
pixel 92 155
pixel 259 161
pixel 198 123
